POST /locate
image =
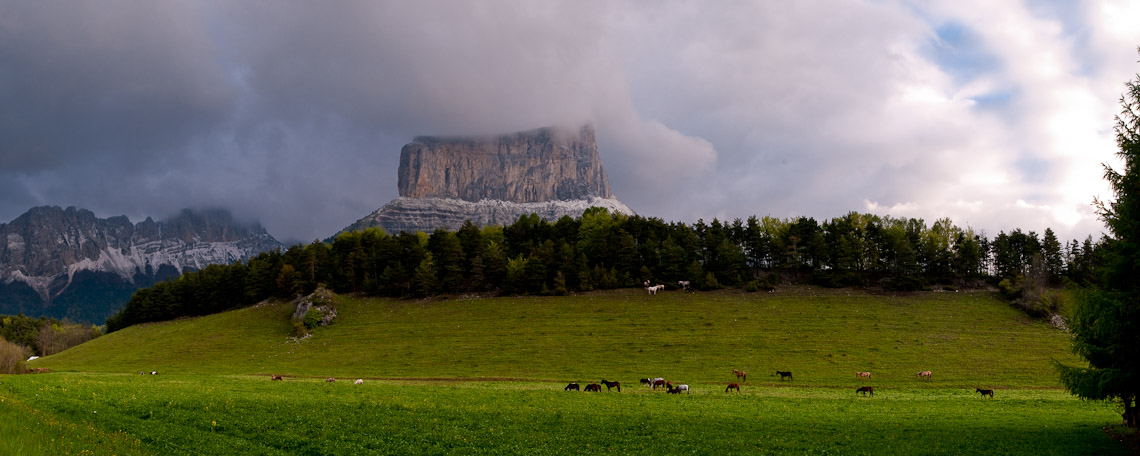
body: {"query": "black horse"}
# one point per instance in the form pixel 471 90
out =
pixel 571 386
pixel 985 393
pixel 611 385
pixel 593 387
pixel 784 374
pixel 866 390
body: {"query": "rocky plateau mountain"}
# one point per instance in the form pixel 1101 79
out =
pixel 68 263
pixel 445 181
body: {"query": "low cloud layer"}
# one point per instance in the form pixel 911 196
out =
pixel 997 116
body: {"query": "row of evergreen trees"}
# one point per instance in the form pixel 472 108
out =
pixel 600 250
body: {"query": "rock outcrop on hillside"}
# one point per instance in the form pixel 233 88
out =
pixel 48 251
pixel 444 181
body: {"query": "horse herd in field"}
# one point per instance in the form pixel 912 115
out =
pixel 279 378
pixel 741 376
pixel 653 289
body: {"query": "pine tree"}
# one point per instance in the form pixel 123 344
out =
pixel 1106 322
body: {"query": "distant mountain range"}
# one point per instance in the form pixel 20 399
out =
pixel 68 263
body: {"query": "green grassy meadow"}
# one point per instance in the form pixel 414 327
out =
pixel 485 375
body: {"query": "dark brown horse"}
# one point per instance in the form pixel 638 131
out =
pixel 571 386
pixel 278 377
pixel 985 393
pixel 611 385
pixel 735 386
pixel 866 390
pixel 593 387
pixel 676 390
pixel 784 374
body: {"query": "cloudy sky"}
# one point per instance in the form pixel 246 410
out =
pixel 996 114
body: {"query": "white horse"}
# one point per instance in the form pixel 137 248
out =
pixel 358 381
pixel 654 289
pixel 684 284
pixel 684 388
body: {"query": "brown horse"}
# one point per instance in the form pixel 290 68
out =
pixel 278 377
pixel 593 387
pixel 863 374
pixel 676 390
pixel 784 374
pixel 611 385
pixel 866 390
pixel 731 386
pixel 571 386
pixel 740 375
pixel 330 380
pixel 985 393
pixel 658 382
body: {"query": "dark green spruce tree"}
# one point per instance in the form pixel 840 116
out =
pixel 1106 321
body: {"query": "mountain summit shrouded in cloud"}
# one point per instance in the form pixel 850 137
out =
pixel 996 115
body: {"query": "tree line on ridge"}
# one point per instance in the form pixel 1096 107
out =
pixel 600 250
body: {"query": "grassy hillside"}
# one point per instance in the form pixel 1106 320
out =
pixel 435 373
pixel 822 336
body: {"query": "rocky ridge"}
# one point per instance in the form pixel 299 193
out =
pixel 414 214
pixel 46 247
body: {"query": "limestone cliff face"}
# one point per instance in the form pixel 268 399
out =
pixel 492 180
pixel 540 165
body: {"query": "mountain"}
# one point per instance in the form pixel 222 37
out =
pixel 444 181
pixel 68 263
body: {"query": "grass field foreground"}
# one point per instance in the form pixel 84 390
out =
pixel 201 414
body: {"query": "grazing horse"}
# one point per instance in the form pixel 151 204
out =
pixel 784 374
pixel 593 387
pixel 571 386
pixel 863 374
pixel 924 375
pixel 684 388
pixel 611 385
pixel 740 375
pixel 654 289
pixel 359 381
pixel 647 381
pixel 330 380
pixel 866 390
pixel 735 386
pixel 278 377
pixel 676 390
pixel 985 393
pixel 658 382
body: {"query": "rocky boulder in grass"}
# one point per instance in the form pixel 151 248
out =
pixel 316 309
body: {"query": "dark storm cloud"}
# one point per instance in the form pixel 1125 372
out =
pixel 106 84
pixel 294 113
